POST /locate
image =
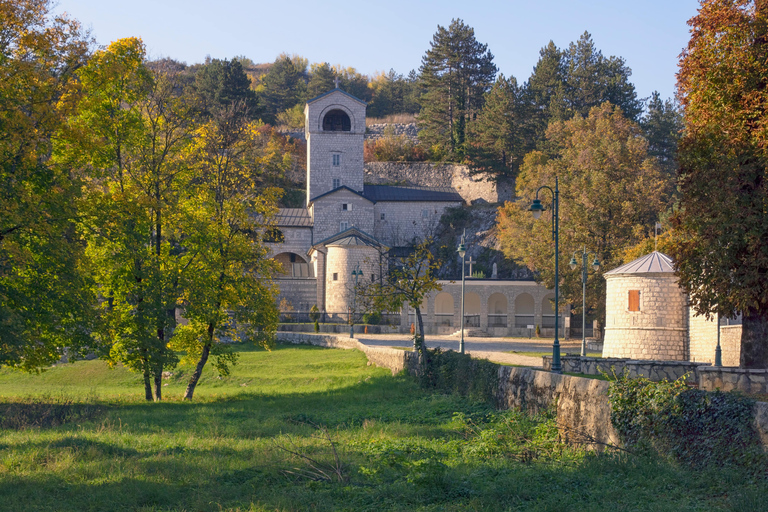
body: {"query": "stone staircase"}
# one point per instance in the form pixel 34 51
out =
pixel 471 332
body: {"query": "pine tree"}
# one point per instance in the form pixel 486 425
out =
pixel 321 80
pixel 283 86
pixel 662 125
pixel 455 73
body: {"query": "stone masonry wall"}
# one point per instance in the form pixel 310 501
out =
pixel 702 336
pixel 427 174
pixel 583 410
pixel 651 370
pixel 658 330
pixel 404 220
pixel 342 260
pixel 327 214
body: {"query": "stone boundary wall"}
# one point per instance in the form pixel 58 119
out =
pixel 707 377
pixel 428 174
pixel 338 328
pixel 583 410
pixel 651 370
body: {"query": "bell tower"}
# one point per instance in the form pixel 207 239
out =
pixel 334 127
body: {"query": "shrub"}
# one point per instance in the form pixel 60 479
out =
pixel 695 427
pixel 393 148
pixel 454 373
pixel 314 313
pixel 372 318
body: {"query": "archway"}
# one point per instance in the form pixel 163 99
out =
pixel 524 308
pixel 444 308
pixel 497 310
pixel 548 311
pixel 294 266
pixel 471 310
pixel 336 120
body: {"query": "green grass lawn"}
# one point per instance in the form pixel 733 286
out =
pixel 99 446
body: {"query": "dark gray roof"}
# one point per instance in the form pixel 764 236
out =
pixel 351 236
pixel 343 187
pixel 336 90
pixel 655 262
pixel 293 217
pixel 378 193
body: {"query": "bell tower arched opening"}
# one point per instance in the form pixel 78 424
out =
pixel 336 120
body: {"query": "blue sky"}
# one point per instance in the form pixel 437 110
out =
pixel 376 36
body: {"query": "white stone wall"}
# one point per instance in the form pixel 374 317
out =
pixel 322 145
pixel 328 214
pixel 341 260
pixel 426 174
pixel 658 330
pixel 702 335
pixel 297 241
pixel 405 220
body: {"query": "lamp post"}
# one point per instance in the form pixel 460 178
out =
pixel 462 250
pixel 536 209
pixel 356 273
pixel 718 350
pixel 584 274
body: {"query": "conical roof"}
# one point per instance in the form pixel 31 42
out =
pixel 654 263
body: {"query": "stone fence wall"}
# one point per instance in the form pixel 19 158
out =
pixel 583 410
pixel 427 174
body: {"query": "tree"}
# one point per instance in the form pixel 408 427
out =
pixel 408 280
pixel 611 194
pixel 223 84
pixel 321 80
pixel 393 93
pixel 228 291
pixel 455 73
pixel 283 86
pixel 721 255
pixel 662 125
pixel 500 141
pixel 45 299
pixel 129 131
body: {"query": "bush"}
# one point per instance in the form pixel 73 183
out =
pixel 454 373
pixel 372 318
pixel 694 427
pixel 393 148
pixel 314 313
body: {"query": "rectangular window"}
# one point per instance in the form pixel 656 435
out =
pixel 634 300
pixel 383 216
pixel 335 276
pixel 336 183
pixel 336 160
pixel 343 226
pixel 424 214
pixel 346 207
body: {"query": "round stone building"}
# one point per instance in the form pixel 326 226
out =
pixel 352 252
pixel 646 312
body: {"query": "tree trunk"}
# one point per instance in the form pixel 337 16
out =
pixel 754 339
pixel 159 384
pixel 200 365
pixel 421 345
pixel 147 383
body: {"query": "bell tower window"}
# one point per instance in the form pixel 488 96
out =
pixel 336 159
pixel 336 121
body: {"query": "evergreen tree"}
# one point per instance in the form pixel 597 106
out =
pixel 223 84
pixel 393 94
pixel 283 86
pixel 455 72
pixel 499 144
pixel 662 125
pixel 321 80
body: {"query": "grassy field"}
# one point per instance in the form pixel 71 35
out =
pixel 250 441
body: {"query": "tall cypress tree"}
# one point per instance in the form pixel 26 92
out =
pixel 455 72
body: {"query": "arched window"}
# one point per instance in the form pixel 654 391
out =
pixel 497 310
pixel 524 306
pixel 336 121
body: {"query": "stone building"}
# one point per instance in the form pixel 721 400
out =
pixel 648 317
pixel 348 225
pixel 646 312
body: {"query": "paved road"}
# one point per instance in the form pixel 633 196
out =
pixel 494 349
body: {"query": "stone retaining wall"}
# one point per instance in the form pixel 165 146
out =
pixel 733 379
pixel 583 410
pixel 652 370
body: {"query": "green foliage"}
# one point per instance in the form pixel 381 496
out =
pixel 695 427
pixel 721 227
pixel 662 127
pixel 611 194
pixel 283 87
pixel 403 449
pixel 393 148
pixel 454 373
pixel 222 85
pixel 393 94
pixel 45 412
pixel 314 313
pixel 372 318
pixel 455 73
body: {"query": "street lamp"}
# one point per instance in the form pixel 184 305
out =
pixel 718 350
pixel 584 274
pixel 462 250
pixel 356 273
pixel 536 209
